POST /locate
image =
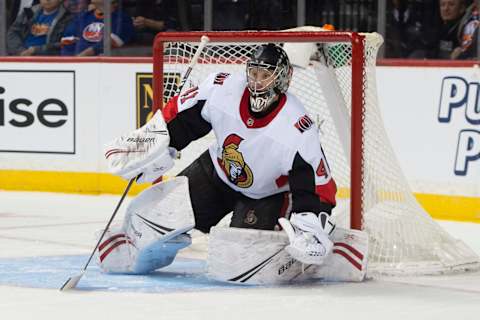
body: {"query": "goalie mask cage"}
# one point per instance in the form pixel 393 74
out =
pixel 334 77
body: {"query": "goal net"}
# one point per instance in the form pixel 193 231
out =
pixel 334 77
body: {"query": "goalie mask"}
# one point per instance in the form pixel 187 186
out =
pixel 268 75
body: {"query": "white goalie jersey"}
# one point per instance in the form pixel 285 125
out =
pixel 257 156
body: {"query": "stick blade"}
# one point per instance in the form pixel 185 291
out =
pixel 72 282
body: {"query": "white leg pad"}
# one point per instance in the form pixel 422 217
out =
pixel 116 253
pixel 348 259
pixel 153 230
pixel 160 254
pixel 247 256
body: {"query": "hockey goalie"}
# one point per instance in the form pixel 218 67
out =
pixel 266 167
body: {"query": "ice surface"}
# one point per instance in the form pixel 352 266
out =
pixel 46 238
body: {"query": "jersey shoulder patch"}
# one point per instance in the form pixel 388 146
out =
pixel 189 94
pixel 220 78
pixel 304 123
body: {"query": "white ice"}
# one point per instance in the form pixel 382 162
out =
pixel 48 224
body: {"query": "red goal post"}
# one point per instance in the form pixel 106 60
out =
pixel 357 41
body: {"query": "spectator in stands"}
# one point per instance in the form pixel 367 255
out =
pixel 446 39
pixel 151 17
pixel 409 28
pixel 38 30
pixel 398 20
pixel 16 7
pixel 84 36
pixel 232 14
pixel 76 6
pixel 468 33
pixel 141 22
pixel 272 14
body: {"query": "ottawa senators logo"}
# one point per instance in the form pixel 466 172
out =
pixel 304 123
pixel 233 164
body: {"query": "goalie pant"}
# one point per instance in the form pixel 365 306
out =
pixel 256 160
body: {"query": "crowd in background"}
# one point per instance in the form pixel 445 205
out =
pixel 437 29
pixel 418 29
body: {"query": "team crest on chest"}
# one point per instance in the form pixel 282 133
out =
pixel 233 163
pixel 93 32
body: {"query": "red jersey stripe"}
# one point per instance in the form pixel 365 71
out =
pixel 326 192
pixel 170 110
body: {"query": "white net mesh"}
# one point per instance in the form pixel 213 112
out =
pixel 403 237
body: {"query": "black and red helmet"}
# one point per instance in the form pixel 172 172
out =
pixel 273 58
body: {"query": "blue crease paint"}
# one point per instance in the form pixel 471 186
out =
pixel 50 272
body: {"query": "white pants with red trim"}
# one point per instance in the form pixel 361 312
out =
pixel 247 256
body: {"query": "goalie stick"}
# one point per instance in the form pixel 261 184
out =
pixel 203 42
pixel 72 282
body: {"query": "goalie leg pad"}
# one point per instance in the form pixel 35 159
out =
pixel 116 254
pixel 161 211
pixel 348 261
pixel 160 254
pixel 154 229
pixel 248 256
